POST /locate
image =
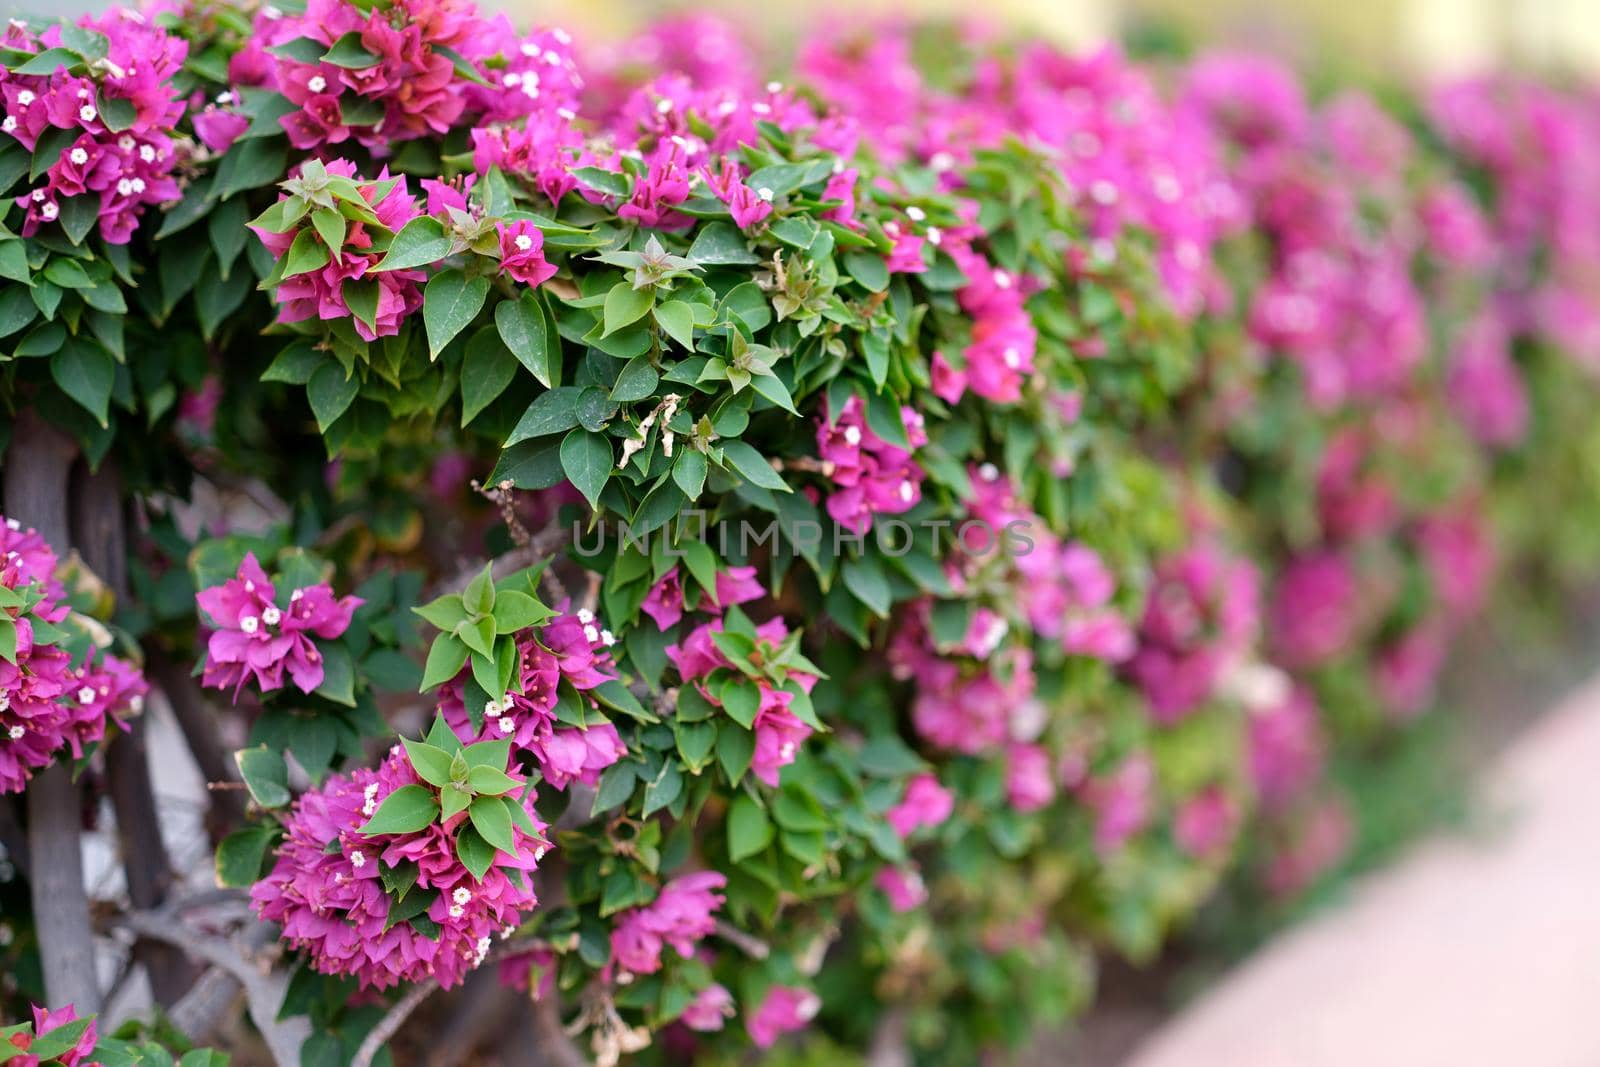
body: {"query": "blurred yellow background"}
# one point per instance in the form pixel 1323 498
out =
pixel 1436 36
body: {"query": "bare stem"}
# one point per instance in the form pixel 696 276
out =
pixel 390 1024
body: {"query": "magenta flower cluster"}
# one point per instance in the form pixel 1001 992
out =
pixel 680 916
pixel 257 635
pixel 327 887
pixel 779 731
pixel 45 1021
pixel 121 116
pixel 870 475
pixel 51 707
pixel 572 649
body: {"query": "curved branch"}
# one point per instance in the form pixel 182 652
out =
pixel 263 989
pixel 390 1024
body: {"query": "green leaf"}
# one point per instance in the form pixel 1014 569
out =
pixel 407 810
pixel 330 393
pixel 445 613
pixel 330 226
pixel 450 301
pixel 476 854
pixel 250 165
pixel 431 764
pixel 85 371
pixel 338 674
pixel 695 741
pixel 741 700
pixel 605 181
pixel 48 62
pixel 720 244
pixel 491 820
pixel 664 790
pixel 485 372
pixel 749 829
pixel 774 390
pixel 347 52
pixel 490 781
pixel 265 775
pixel 551 412
pixel 676 318
pixel 614 695
pixel 514 611
pixel 735 748
pixel 865 579
pixel 422 242
pixel 869 269
pixel 626 305
pixel 240 854
pixel 306 254
pixel 753 466
pixel 616 786
pixel 64 1038
pixel 445 660
pixel 637 381
pixel 294 364
pixel 525 330
pixel 361 296
pixel 586 460
pixel 689 471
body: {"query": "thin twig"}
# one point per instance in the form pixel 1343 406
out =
pixel 396 1017
pixel 750 945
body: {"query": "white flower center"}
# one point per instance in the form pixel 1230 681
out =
pixel 86 695
pixel 507 724
pixel 852 435
pixel 16 733
pixel 25 98
pixel 86 113
pixel 147 153
pixel 78 156
pixel 271 615
pixel 317 83
pixel 49 211
pixel 523 242
pixel 249 624
pixel 358 860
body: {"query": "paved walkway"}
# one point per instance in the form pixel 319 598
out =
pixel 1480 952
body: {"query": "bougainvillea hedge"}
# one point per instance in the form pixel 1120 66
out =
pixel 729 557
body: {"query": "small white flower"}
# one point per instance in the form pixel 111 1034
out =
pixel 507 931
pixel 566 113
pixel 988 472
pixel 16 733
pixel 531 50
pixel 493 709
pixel 935 236
pixel 513 79
pixel 136 703
pixel 1002 279
pixel 271 615
pixel 225 97
pixel 907 491
pixel 1012 357
pixel 765 194
pixel 523 242
pixel 317 83
pixel 663 106
pixel 607 638
pixel 852 435
pixel 915 214
pixel 147 153
pixel 271 12
pixel 456 911
pixel 295 596
pixel 552 60
pixel 483 949
pixel 78 156
pixel 86 695
pixel 786 750
pixel 25 98
pixel 507 724
pixel 249 585
pixel 808 1007
pixel 561 36
pixel 87 113
pixel 1103 192
pixel 530 89
pixel 539 851
pixel 49 212
pixel 124 187
pixel 249 624
pixel 727 107
pixel 941 161
pixel 461 895
pixel 585 615
pixel 358 860
pixel 591 633
pixel 38 196
pixel 774 87
pixel 761 109
pixel 126 143
pixel 9 123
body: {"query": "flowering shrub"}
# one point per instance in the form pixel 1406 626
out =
pixel 747 556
